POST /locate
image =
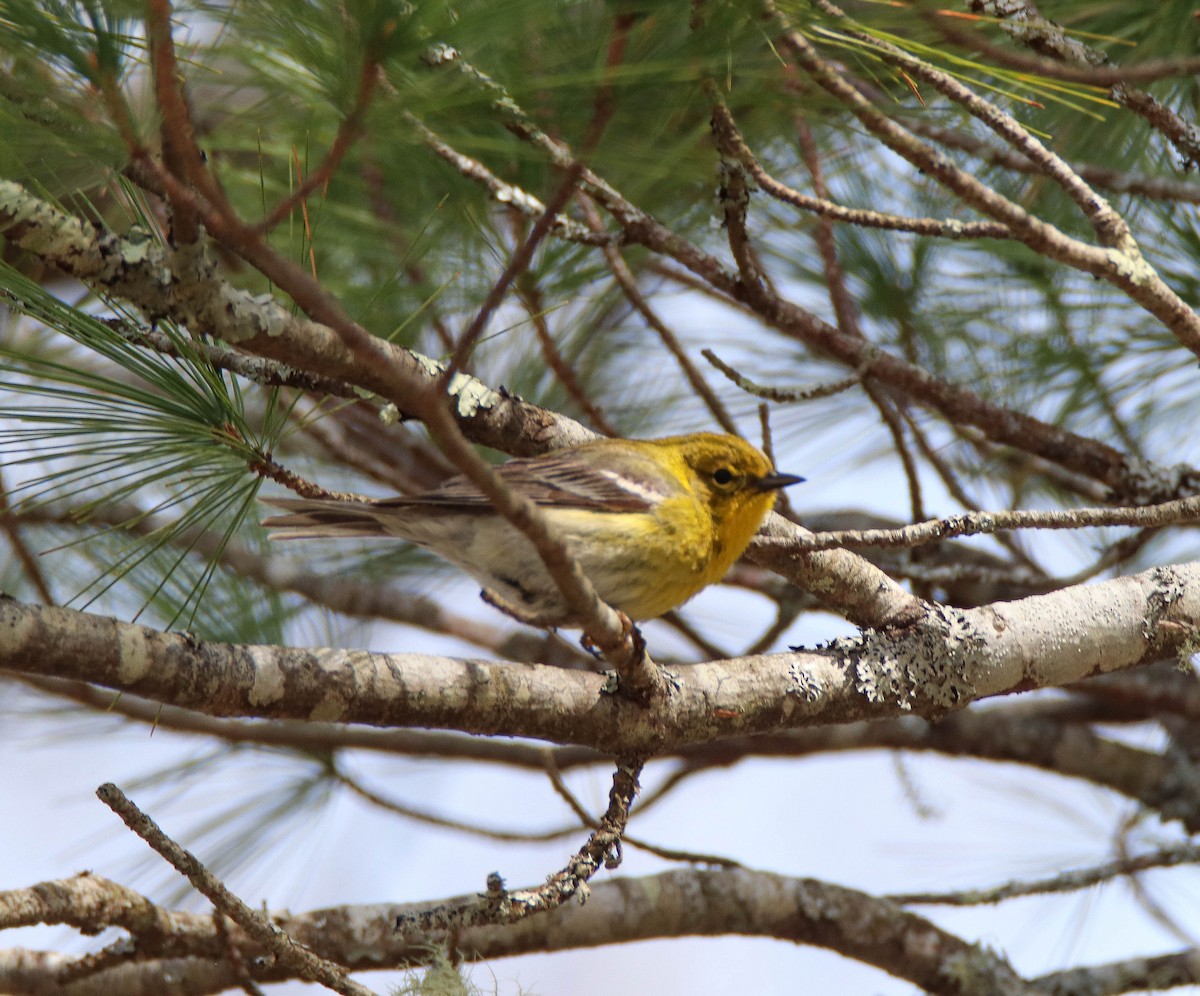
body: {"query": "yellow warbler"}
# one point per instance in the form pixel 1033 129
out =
pixel 650 522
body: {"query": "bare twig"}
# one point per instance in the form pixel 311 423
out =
pixel 420 815
pixel 347 133
pixel 890 411
pixel 521 259
pixel 822 206
pixel 557 363
pixel 1157 188
pixel 782 395
pixel 666 853
pixel 950 479
pixel 629 287
pixel 1071 881
pixel 1181 510
pixel 11 526
pixel 517 264
pixel 503 193
pixel 258 926
pixel 498 905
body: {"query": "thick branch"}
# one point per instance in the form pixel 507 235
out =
pixel 936 664
pixel 184 285
pixel 673 904
pixel 1050 735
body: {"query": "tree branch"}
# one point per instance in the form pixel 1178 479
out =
pixel 295 956
pixel 935 664
pixel 685 902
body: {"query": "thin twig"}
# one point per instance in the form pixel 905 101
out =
pixel 787 610
pixel 429 818
pixel 1179 511
pixel 269 373
pixel 505 194
pixel 891 412
pixel 1145 899
pixel 782 395
pixel 666 853
pixel 1071 881
pixel 497 905
pixel 269 468
pixel 29 563
pixel 178 141
pixel 943 469
pixel 711 650
pixel 892 419
pixel 348 131
pixel 626 280
pixel 823 207
pixel 292 954
pixel 517 264
pixel 557 363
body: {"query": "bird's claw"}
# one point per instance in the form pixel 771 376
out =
pixel 628 630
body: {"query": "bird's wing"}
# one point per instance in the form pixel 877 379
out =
pixel 562 481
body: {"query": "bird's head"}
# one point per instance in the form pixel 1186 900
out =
pixel 735 479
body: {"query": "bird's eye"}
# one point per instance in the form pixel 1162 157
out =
pixel 723 475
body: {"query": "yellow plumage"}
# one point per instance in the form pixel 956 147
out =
pixel 650 522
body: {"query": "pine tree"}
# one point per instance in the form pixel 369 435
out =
pixel 940 260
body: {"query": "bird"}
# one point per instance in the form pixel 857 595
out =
pixel 650 522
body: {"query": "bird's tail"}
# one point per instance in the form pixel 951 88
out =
pixel 317 518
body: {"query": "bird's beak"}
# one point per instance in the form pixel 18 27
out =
pixel 773 482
